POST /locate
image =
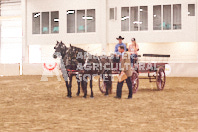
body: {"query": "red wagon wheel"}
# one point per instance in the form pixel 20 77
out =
pixel 160 78
pixel 102 85
pixel 135 81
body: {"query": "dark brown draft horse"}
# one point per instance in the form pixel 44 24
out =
pixel 60 51
pixel 89 66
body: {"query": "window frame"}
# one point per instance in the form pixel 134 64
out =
pixel 194 10
pixel 76 31
pixel 41 23
pixel 42 27
pixel 172 18
pixel 111 15
pixel 51 32
pixel 138 19
pixel 161 17
pixel 173 24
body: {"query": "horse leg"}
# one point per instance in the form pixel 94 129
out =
pixel 107 85
pixel 85 87
pixel 78 82
pixel 91 85
pixel 67 85
pixel 70 85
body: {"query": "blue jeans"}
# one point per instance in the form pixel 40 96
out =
pixel 133 56
pixel 119 88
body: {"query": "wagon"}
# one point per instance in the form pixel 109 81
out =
pixel 155 71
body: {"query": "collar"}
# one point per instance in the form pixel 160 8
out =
pixel 122 53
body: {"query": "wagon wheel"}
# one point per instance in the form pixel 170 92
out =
pixel 160 78
pixel 135 81
pixel 102 85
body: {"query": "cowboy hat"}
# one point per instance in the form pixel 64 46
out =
pixel 120 37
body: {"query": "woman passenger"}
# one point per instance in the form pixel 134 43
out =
pixel 133 50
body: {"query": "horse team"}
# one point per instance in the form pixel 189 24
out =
pixel 78 62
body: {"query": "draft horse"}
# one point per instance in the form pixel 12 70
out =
pixel 85 63
pixel 60 51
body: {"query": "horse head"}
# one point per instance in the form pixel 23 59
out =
pixel 60 50
pixel 75 56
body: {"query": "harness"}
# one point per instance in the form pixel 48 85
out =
pixel 86 61
pixel 99 63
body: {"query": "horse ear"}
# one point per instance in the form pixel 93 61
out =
pixel 70 45
pixel 61 42
pixel 57 42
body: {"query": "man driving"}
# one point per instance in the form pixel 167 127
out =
pixel 120 38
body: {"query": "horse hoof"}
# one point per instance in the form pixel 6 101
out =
pixel 69 96
pixel 106 94
pixel 91 97
pixel 84 97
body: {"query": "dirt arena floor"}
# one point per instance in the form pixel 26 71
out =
pixel 27 104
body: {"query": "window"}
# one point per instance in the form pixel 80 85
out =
pixel 91 20
pixel 134 19
pixel 143 18
pixel 167 17
pixel 111 16
pixel 125 19
pixel 177 16
pixel 41 22
pixel 36 23
pixel 157 19
pixel 70 21
pixel 45 22
pixel 81 21
pixel 55 22
pixel 115 13
pixel 169 20
pixel 191 9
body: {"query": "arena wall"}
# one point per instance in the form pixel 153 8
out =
pixel 161 41
pixel 188 33
pixel 182 44
pixel 62 6
pixel 180 52
pixel 175 69
pixel 9 69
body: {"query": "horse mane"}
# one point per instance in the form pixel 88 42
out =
pixel 79 49
pixel 93 56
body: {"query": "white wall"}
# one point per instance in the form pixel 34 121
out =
pixel 62 6
pixel 180 52
pixel 182 44
pixel 9 69
pixel 11 33
pixel 176 70
pixel 188 33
